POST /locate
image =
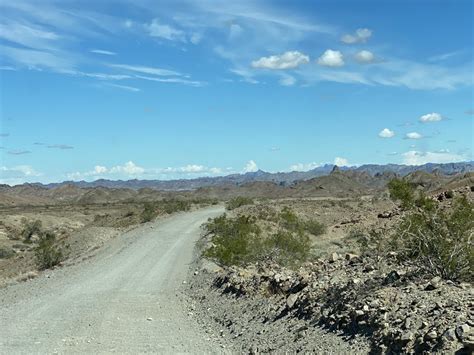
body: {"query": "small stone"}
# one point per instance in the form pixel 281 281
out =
pixel 351 257
pixel 149 319
pixel 406 337
pixel 291 300
pixel 433 284
pixel 432 335
pixel 333 257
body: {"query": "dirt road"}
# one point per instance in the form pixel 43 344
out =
pixel 123 299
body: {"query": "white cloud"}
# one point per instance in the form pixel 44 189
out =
pixel 304 167
pixel 195 38
pixel 386 133
pixel 431 117
pixel 235 30
pixel 146 70
pixel 98 169
pixel 413 135
pixel 101 51
pixel 17 174
pixel 128 23
pixel 414 157
pixel 173 80
pixel 341 161
pixel 360 36
pixel 156 29
pixel 287 81
pixel 125 87
pixel 365 57
pixel 250 167
pixel 129 168
pixel 287 60
pixel 331 58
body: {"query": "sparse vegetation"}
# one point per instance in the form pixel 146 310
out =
pixel 47 253
pixel 438 241
pixel 148 213
pixel 240 240
pixel 30 229
pixel 237 202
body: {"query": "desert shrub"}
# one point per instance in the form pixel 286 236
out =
pixel 437 241
pixel 237 202
pixel 440 242
pixel 6 253
pixel 287 248
pixel 235 240
pixel 314 227
pixel 30 228
pixel 289 220
pixel 173 205
pixel 148 212
pixel 47 253
pixel 239 241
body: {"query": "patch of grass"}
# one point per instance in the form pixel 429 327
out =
pixel 237 202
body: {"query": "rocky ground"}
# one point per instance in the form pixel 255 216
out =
pixel 345 302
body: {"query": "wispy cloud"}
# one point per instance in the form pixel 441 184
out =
pixel 19 152
pixel 101 51
pixel 125 87
pixel 414 157
pixel 61 146
pixel 147 70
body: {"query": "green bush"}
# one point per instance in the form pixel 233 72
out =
pixel 290 221
pixel 314 227
pixel 235 240
pixel 148 213
pixel 237 202
pixel 439 241
pixel 30 229
pixel 239 241
pixel 287 248
pixel 436 240
pixel 47 253
pixel 172 205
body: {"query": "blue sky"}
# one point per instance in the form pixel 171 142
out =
pixel 179 89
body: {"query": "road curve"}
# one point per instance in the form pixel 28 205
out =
pixel 123 299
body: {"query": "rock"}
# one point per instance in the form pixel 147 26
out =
pixel 333 257
pixel 407 337
pixel 433 284
pixel 351 257
pixel 449 335
pixel 431 335
pixel 291 300
pixel 385 214
pixel 149 319
pixel 462 331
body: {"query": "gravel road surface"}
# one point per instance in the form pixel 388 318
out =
pixel 124 299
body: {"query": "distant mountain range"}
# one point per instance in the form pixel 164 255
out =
pixel 281 178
